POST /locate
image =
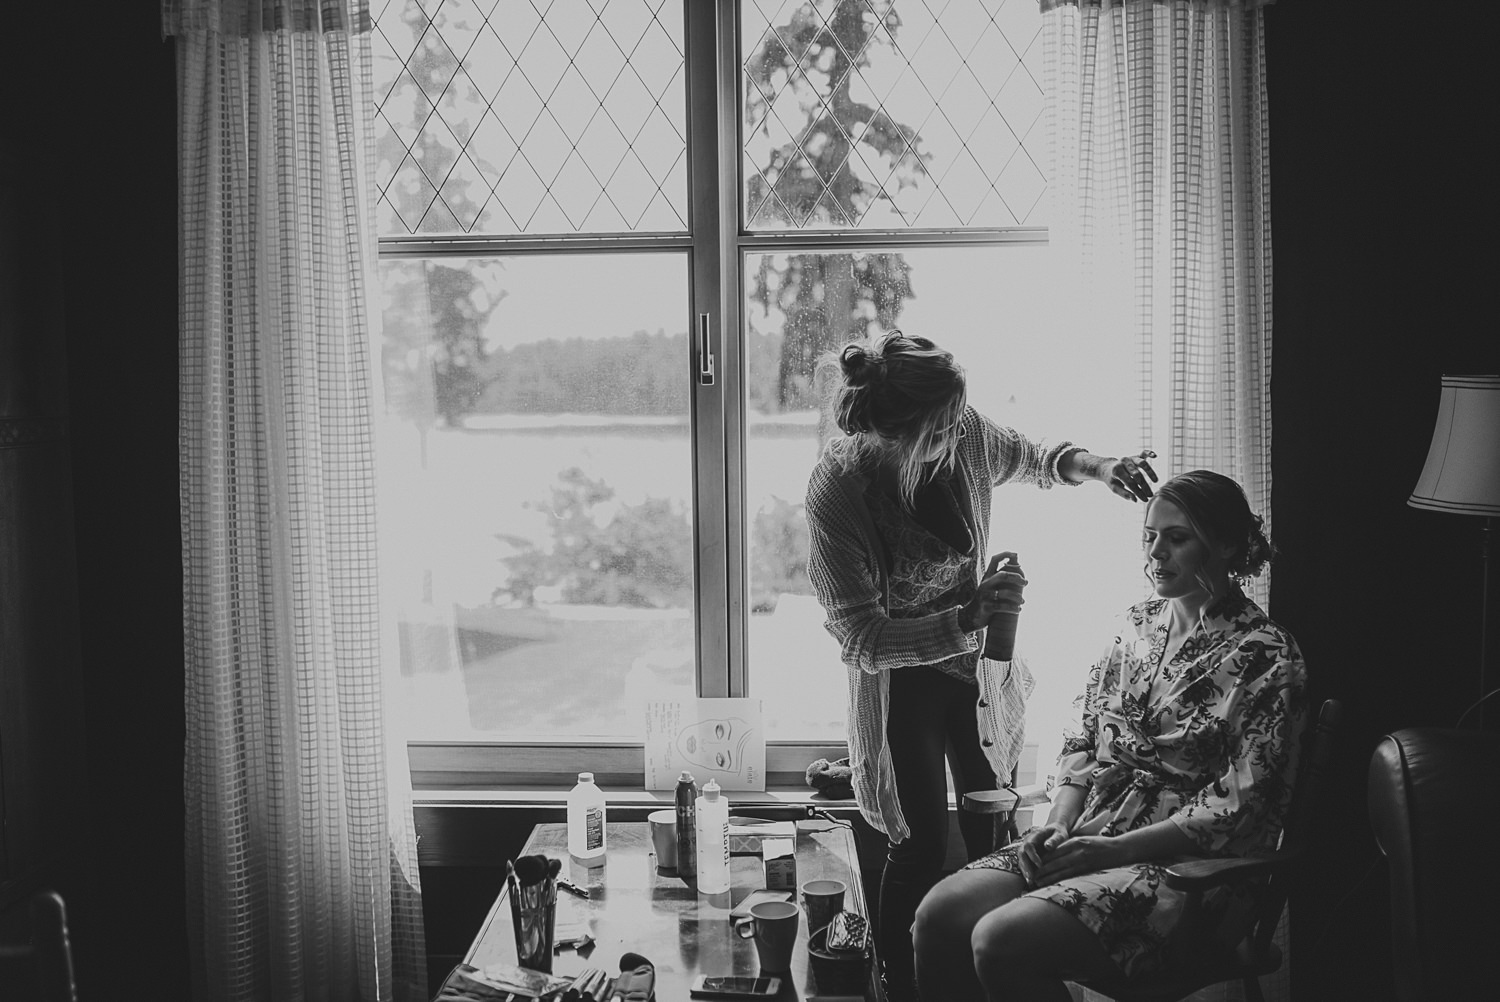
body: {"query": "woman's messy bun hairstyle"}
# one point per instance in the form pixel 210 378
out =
pixel 891 384
pixel 1219 511
pixel 893 395
pixel 860 368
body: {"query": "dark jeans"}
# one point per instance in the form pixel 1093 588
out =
pixel 931 719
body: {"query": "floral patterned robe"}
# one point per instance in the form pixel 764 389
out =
pixel 1207 740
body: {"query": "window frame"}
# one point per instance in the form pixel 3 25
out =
pixel 717 244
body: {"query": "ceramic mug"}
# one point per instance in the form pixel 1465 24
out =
pixel 774 926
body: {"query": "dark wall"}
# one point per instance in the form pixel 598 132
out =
pixel 1378 191
pixel 96 118
pixel 1383 203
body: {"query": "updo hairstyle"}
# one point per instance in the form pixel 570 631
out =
pixel 893 396
pixel 1219 512
pixel 894 385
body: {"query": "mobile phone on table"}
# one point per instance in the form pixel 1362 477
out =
pixel 710 986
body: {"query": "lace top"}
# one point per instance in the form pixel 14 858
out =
pixel 928 573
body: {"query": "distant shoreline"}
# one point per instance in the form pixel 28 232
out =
pixel 795 424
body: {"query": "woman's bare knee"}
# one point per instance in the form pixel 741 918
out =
pixel 1034 939
pixel 945 920
pixel 950 910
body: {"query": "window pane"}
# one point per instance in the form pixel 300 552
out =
pixel 883 117
pixel 1029 366
pixel 536 494
pixel 508 121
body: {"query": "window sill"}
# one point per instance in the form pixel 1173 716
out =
pixel 541 767
pixel 478 827
pixel 643 800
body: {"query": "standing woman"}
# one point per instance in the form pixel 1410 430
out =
pixel 898 511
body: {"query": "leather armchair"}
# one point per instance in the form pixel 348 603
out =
pixel 1434 804
pixel 40 969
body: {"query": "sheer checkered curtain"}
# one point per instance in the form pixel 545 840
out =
pixel 1160 179
pixel 301 858
pixel 1160 173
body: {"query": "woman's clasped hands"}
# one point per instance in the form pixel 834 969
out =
pixel 1049 854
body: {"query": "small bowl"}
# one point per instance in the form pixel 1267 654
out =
pixel 838 972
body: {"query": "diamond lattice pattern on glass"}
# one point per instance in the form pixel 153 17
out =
pixel 892 114
pixel 544 117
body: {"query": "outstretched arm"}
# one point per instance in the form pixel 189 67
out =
pixel 1126 476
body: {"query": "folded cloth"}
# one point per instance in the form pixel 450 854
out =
pixel 637 980
pixel 834 780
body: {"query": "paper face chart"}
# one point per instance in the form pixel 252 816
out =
pixel 715 738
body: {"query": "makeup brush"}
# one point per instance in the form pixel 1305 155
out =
pixel 579 989
pixel 532 869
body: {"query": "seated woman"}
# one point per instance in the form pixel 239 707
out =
pixel 1186 747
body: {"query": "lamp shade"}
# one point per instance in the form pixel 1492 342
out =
pixel 1462 474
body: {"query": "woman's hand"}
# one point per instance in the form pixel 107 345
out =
pixel 1127 476
pixel 1077 856
pixel 999 591
pixel 1036 845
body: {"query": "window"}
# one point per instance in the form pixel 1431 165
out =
pixel 615 236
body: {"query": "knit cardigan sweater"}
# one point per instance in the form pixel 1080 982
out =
pixel 850 571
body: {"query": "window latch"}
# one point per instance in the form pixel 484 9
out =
pixel 705 353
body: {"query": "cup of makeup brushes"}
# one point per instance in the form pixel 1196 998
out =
pixel 531 882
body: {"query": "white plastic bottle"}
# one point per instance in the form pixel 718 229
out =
pixel 586 821
pixel 713 840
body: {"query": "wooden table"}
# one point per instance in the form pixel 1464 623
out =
pixel 633 906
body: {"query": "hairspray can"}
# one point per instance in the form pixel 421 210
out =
pixel 687 821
